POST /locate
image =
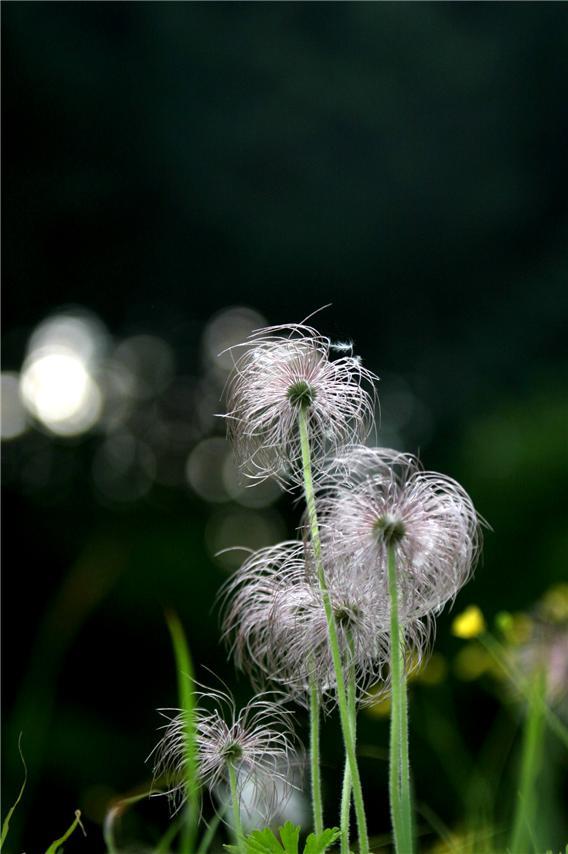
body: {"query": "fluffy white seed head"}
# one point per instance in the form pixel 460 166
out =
pixel 277 372
pixel 373 497
pixel 275 625
pixel 249 602
pixel 258 741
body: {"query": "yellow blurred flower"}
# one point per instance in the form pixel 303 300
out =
pixel 469 624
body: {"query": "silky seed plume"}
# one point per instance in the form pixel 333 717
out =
pixel 258 742
pixel 374 498
pixel 279 371
pixel 275 626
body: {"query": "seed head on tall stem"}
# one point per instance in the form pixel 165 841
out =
pixel 374 498
pixel 256 745
pixel 279 371
pixel 275 625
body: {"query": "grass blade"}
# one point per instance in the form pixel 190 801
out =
pixel 6 822
pixel 187 702
pixel 113 814
pixel 164 845
pixel 58 842
pixel 209 834
pixel 531 756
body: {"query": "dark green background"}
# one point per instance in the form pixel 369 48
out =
pixel 405 162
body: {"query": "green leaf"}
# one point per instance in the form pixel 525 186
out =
pixel 265 841
pixel 6 822
pixel 53 848
pixel 320 842
pixel 290 834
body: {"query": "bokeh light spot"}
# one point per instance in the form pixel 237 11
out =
pixel 227 328
pixel 59 391
pixel 123 469
pixel 57 384
pixel 248 493
pixel 204 470
pixel 149 360
pixel 232 533
pixel 75 331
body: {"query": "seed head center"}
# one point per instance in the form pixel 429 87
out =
pixel 232 752
pixel 301 394
pixel 346 615
pixel 390 529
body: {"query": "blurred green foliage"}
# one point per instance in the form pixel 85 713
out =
pixel 405 162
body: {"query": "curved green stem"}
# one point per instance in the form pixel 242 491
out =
pixel 399 773
pixel 239 836
pixel 317 806
pixel 333 640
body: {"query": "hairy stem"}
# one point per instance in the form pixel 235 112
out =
pixel 345 809
pixel 346 790
pixel 317 805
pixel 238 827
pixel 405 793
pixel 394 744
pixel 399 774
pixel 332 633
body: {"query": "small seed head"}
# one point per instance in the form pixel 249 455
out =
pixel 257 742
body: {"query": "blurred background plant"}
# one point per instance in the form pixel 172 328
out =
pixel 176 175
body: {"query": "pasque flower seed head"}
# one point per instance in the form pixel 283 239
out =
pixel 373 498
pixel 257 741
pixel 279 371
pixel 275 625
